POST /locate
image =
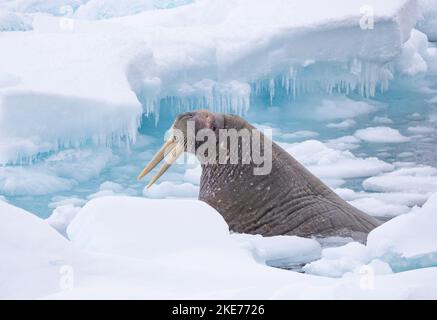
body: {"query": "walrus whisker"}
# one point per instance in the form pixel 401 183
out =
pixel 174 155
pixel 159 156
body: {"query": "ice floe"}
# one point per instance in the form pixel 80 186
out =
pixel 381 135
pixel 328 163
pixel 416 179
pixel 142 248
pixel 179 58
pixel 168 189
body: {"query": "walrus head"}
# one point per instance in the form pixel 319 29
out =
pixel 179 141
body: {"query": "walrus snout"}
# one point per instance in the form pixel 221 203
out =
pixel 177 144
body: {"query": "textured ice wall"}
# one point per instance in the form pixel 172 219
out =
pixel 428 18
pixel 70 82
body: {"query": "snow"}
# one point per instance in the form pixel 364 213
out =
pixel 344 143
pixel 168 189
pixel 192 175
pixel 343 108
pixel 58 201
pixel 346 261
pixel 403 243
pixel 144 259
pixel 381 135
pixel 32 253
pixel 34 6
pixel 16 181
pixel 421 179
pixel 353 250
pixel 104 9
pixel 109 188
pixel 401 198
pixel 10 21
pixel 382 120
pixel 298 135
pixel 328 163
pixel 379 208
pixel 334 268
pixel 62 216
pixel 105 115
pixel 421 129
pixel 181 58
pixel 60 172
pixel 346 124
pixel 408 235
pixel 417 57
pixel 280 251
pixel 107 124
pixel 428 20
pixel 178 224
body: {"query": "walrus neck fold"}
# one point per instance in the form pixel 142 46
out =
pixel 287 201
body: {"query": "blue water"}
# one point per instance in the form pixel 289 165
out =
pixel 406 103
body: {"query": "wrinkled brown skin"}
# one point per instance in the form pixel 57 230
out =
pixel 288 201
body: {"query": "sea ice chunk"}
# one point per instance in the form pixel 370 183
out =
pixel 11 21
pixel 193 60
pixel 21 181
pixel 379 208
pixel 335 262
pixel 428 21
pixel 416 179
pixel 417 57
pixel 158 223
pixel 280 251
pixel 381 135
pixel 32 254
pixel 62 216
pixel 382 120
pixel 343 108
pixel 104 9
pixel 408 235
pixel 334 268
pixel 346 124
pixel 168 189
pixel 327 163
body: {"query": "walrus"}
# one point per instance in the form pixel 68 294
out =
pixel 288 200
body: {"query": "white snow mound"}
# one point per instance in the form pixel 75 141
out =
pixel 146 227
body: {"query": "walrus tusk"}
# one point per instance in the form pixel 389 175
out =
pixel 174 155
pixel 165 149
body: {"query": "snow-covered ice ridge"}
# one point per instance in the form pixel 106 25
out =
pixel 86 80
pixel 134 248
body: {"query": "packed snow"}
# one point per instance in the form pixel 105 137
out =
pixel 139 248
